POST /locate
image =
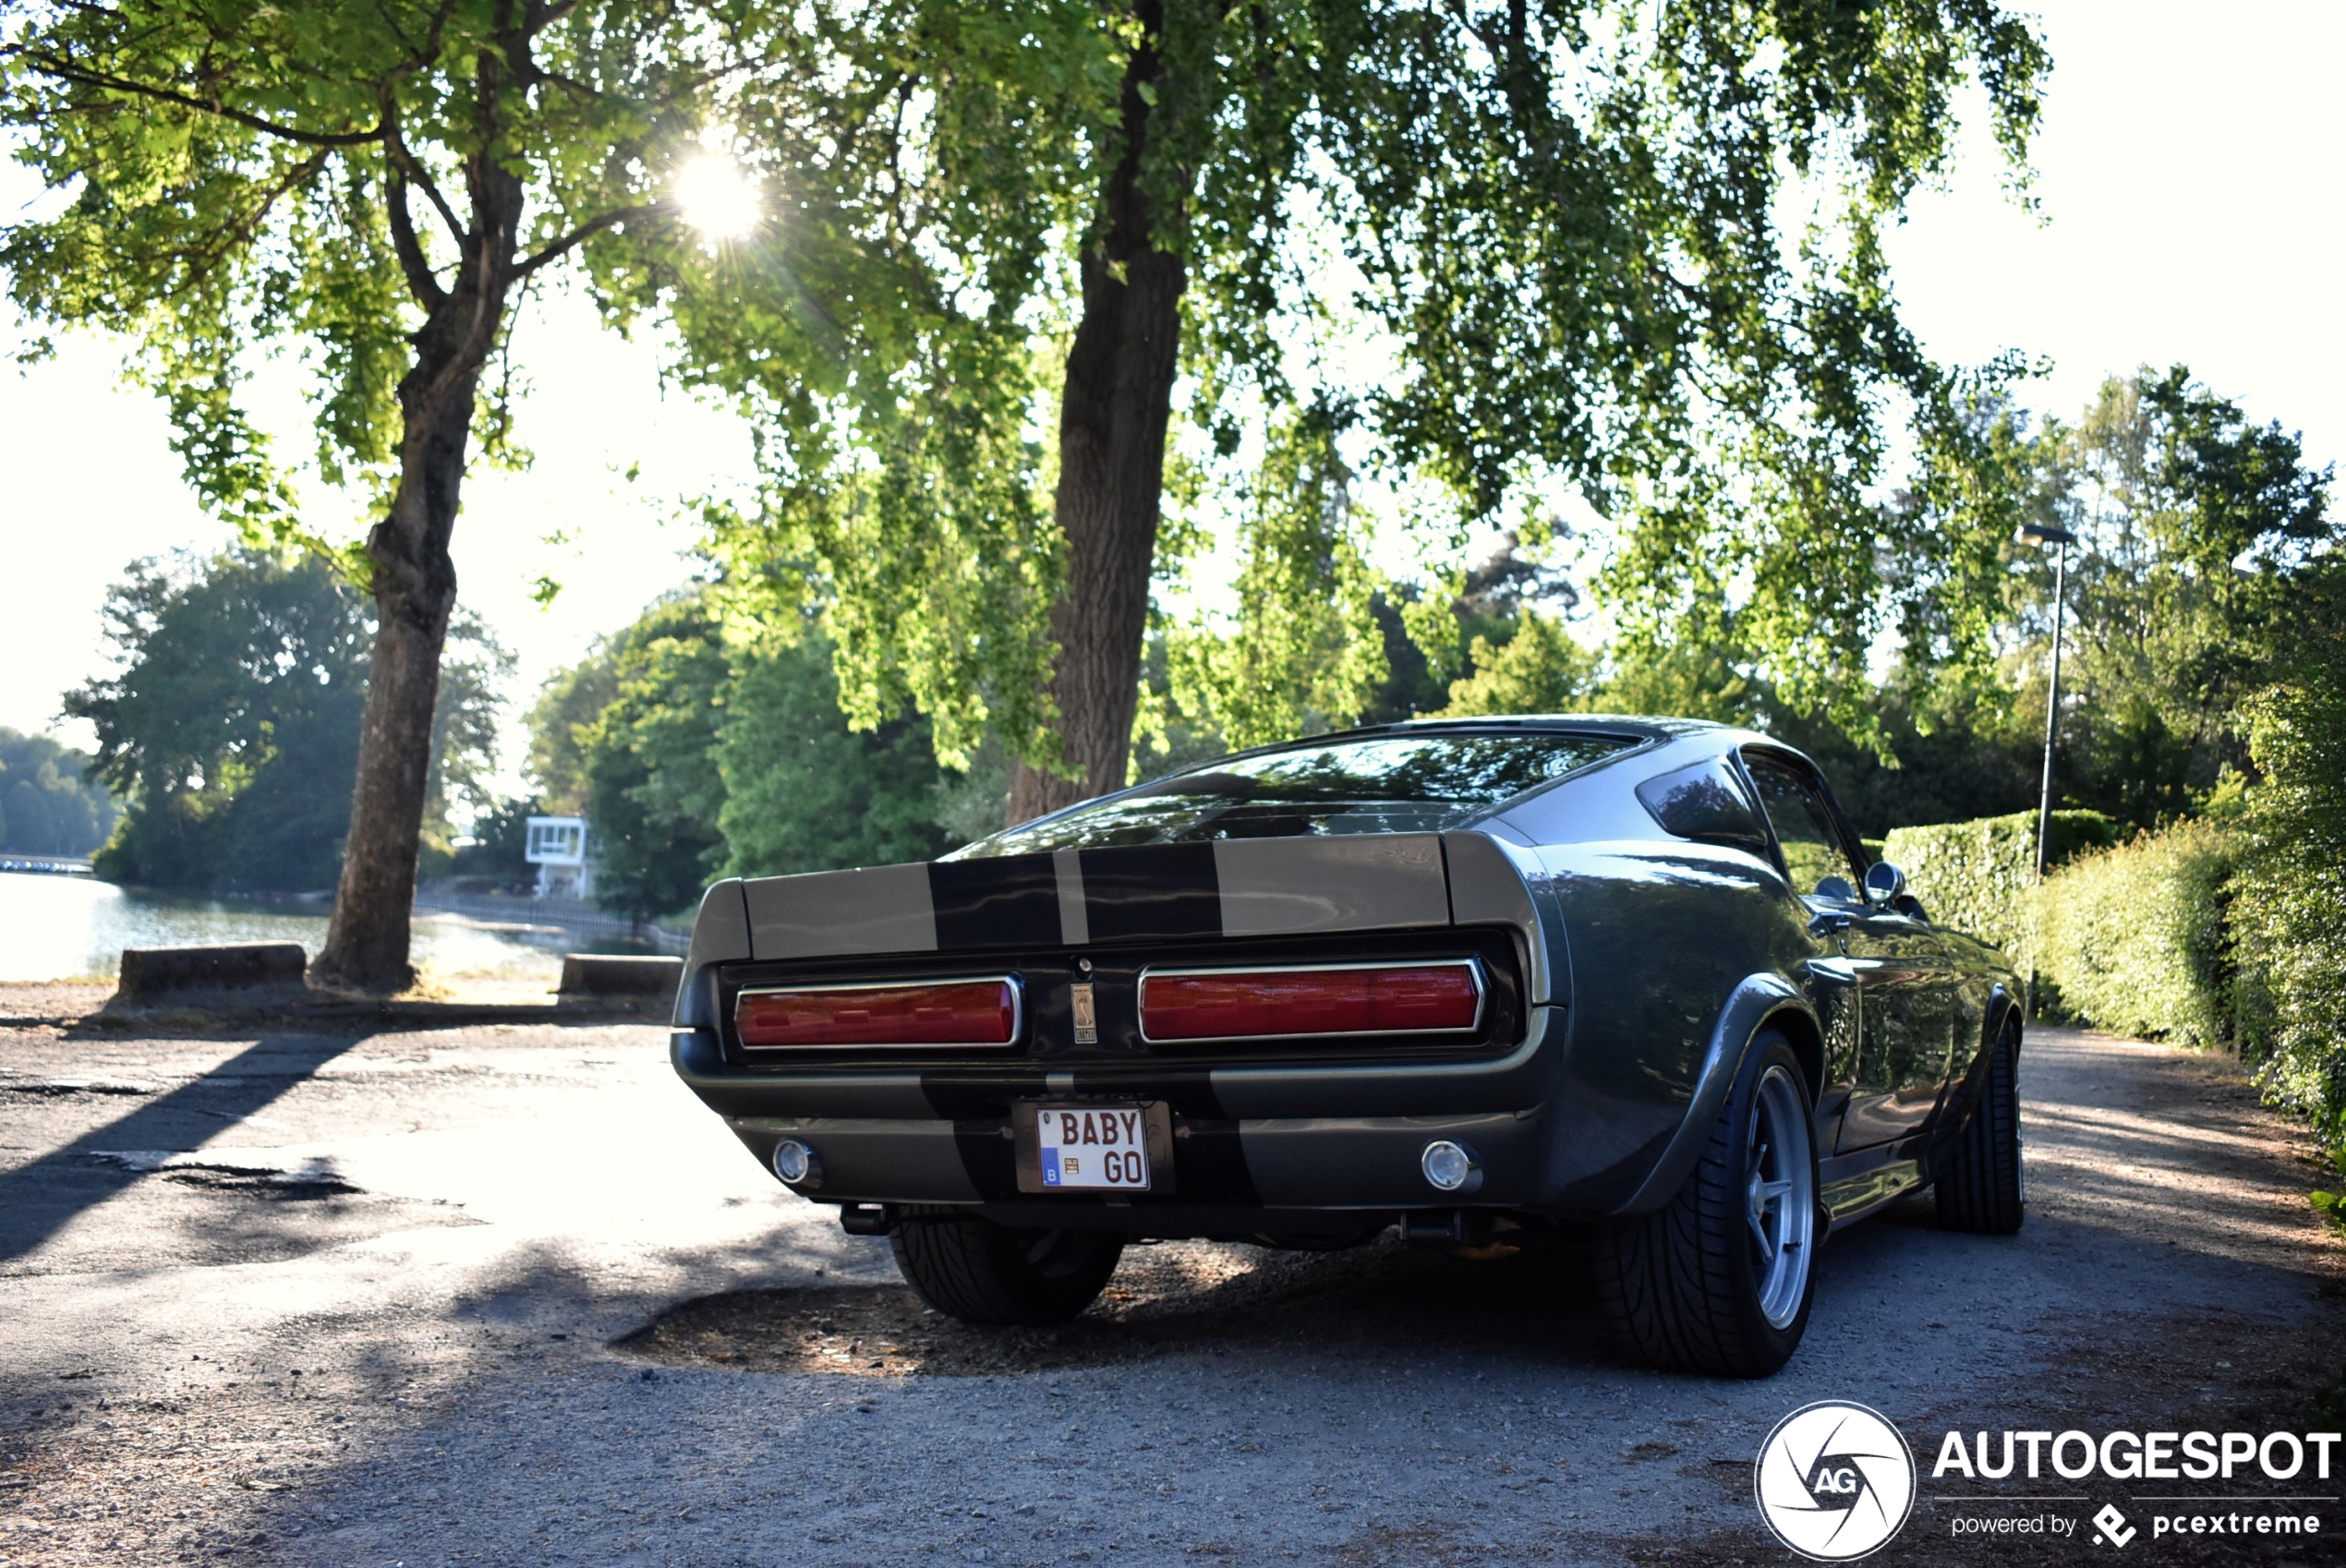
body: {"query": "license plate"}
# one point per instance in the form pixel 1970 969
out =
pixel 1094 1146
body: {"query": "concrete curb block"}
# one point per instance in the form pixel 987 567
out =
pixel 608 983
pixel 247 983
pixel 236 971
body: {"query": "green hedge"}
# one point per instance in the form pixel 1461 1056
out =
pixel 2136 938
pixel 1976 876
pixel 2288 914
pixel 2229 930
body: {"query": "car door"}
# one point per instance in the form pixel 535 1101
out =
pixel 1904 984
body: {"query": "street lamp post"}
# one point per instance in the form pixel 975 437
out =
pixel 2061 539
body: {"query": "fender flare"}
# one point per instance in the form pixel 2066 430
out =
pixel 2004 1007
pixel 2005 1010
pixel 1754 1001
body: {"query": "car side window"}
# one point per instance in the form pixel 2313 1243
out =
pixel 1812 847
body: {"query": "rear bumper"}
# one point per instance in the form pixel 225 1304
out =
pixel 1322 1162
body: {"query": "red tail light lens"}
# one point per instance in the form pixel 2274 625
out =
pixel 948 1012
pixel 1443 998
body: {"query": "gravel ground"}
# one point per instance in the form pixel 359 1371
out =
pixel 508 1295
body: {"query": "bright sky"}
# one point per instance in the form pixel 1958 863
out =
pixel 2188 175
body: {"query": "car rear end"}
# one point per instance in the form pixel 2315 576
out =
pixel 1295 1038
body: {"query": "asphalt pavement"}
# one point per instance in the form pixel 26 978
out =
pixel 508 1295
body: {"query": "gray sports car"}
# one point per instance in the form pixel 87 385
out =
pixel 1627 984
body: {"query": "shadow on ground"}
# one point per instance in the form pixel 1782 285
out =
pixel 1174 1297
pixel 41 1198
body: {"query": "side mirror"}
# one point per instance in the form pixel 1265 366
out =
pixel 1836 887
pixel 1884 882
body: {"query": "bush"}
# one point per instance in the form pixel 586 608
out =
pixel 498 856
pixel 1977 877
pixel 2135 936
pixel 2289 917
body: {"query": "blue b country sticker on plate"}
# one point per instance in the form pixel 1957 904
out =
pixel 1050 1167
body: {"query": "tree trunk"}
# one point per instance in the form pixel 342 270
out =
pixel 1113 414
pixel 415 588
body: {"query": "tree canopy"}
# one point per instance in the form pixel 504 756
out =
pixel 48 807
pixel 698 750
pixel 2206 558
pixel 366 191
pixel 230 727
pixel 1487 254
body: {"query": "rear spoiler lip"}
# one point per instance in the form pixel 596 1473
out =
pixel 1230 888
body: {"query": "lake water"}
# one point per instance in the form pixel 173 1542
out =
pixel 66 928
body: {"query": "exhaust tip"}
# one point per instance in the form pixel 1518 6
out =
pixel 797 1164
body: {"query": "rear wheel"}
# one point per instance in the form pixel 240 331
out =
pixel 1720 1279
pixel 1978 1179
pixel 986 1274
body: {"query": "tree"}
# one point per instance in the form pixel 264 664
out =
pixel 232 726
pixel 2198 528
pixel 370 187
pixel 653 789
pixel 803 793
pixel 1561 220
pixel 1542 667
pixel 497 854
pixel 1289 662
pixel 561 722
pixel 709 757
pixel 47 805
pixel 2201 534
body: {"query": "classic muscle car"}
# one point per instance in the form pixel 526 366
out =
pixel 1624 982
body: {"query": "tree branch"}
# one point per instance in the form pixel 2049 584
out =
pixel 411 169
pixel 539 18
pixel 569 242
pixel 422 280
pixel 65 71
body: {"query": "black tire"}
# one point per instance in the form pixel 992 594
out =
pixel 1681 1288
pixel 1978 1178
pixel 986 1274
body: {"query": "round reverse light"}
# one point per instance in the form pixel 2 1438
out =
pixel 1447 1165
pixel 795 1163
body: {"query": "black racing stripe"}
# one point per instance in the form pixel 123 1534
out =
pixel 1009 901
pixel 980 1093
pixel 1188 1091
pixel 1151 891
pixel 1210 1162
pixel 990 1159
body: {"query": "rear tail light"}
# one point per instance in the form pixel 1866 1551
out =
pixel 913 1013
pixel 1330 999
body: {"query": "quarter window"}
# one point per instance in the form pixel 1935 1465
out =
pixel 1804 825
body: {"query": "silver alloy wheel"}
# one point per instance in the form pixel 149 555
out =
pixel 1779 1194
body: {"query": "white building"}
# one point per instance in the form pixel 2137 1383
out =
pixel 558 848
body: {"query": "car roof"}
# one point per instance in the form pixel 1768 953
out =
pixel 1648 730
pixel 1644 726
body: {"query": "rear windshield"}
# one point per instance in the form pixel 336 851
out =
pixel 1380 784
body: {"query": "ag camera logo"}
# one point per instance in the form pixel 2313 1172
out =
pixel 1835 1480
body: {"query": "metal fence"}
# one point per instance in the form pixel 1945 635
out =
pixel 551 915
